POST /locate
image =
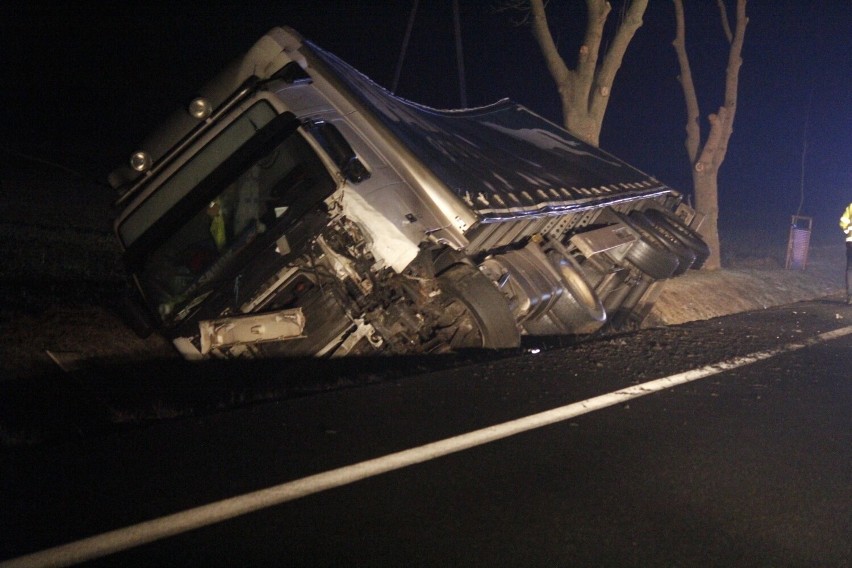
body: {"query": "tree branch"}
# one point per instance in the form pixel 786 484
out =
pixel 732 75
pixel 717 140
pixel 726 25
pixel 522 6
pixel 584 90
pixel 615 55
pixel 587 62
pixel 558 70
pixel 693 126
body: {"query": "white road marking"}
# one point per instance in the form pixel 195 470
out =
pixel 135 535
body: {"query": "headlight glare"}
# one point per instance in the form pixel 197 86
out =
pixel 140 161
pixel 200 108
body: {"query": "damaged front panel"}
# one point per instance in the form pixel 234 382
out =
pixel 251 329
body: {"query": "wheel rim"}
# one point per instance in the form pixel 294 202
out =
pixel 575 283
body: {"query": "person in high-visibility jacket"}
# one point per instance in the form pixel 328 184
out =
pixel 217 224
pixel 846 225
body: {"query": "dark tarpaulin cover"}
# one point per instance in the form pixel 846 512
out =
pixel 501 159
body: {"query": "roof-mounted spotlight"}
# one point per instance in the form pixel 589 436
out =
pixel 140 161
pixel 200 108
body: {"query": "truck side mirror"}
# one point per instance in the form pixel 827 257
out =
pixel 339 150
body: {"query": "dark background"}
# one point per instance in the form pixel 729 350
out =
pixel 83 82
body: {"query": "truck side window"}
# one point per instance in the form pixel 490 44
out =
pixel 339 150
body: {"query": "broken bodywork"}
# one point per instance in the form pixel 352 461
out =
pixel 301 209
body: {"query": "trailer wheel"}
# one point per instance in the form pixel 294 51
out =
pixel 578 309
pixel 686 235
pixel 685 255
pixel 648 253
pixel 477 314
pixel 567 316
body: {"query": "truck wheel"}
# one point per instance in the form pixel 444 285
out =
pixel 685 255
pixel 566 316
pixel 578 309
pixel 648 253
pixel 477 313
pixel 684 234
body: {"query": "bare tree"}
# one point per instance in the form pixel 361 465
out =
pixel 707 157
pixel 585 90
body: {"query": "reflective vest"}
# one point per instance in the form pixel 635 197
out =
pixel 846 222
pixel 217 231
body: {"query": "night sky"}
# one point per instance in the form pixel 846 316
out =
pixel 83 82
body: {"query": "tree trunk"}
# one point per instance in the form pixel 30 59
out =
pixel 707 202
pixel 707 158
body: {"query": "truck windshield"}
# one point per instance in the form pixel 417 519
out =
pixel 179 184
pixel 226 203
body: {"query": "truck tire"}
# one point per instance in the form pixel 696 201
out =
pixel 685 255
pixel 567 316
pixel 648 253
pixel 686 235
pixel 476 311
pixel 578 310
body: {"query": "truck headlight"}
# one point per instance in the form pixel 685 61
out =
pixel 200 108
pixel 140 161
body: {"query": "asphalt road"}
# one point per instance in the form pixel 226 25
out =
pixel 747 466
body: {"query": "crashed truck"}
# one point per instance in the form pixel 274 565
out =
pixel 296 208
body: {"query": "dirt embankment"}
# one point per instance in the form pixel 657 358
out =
pixel 750 284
